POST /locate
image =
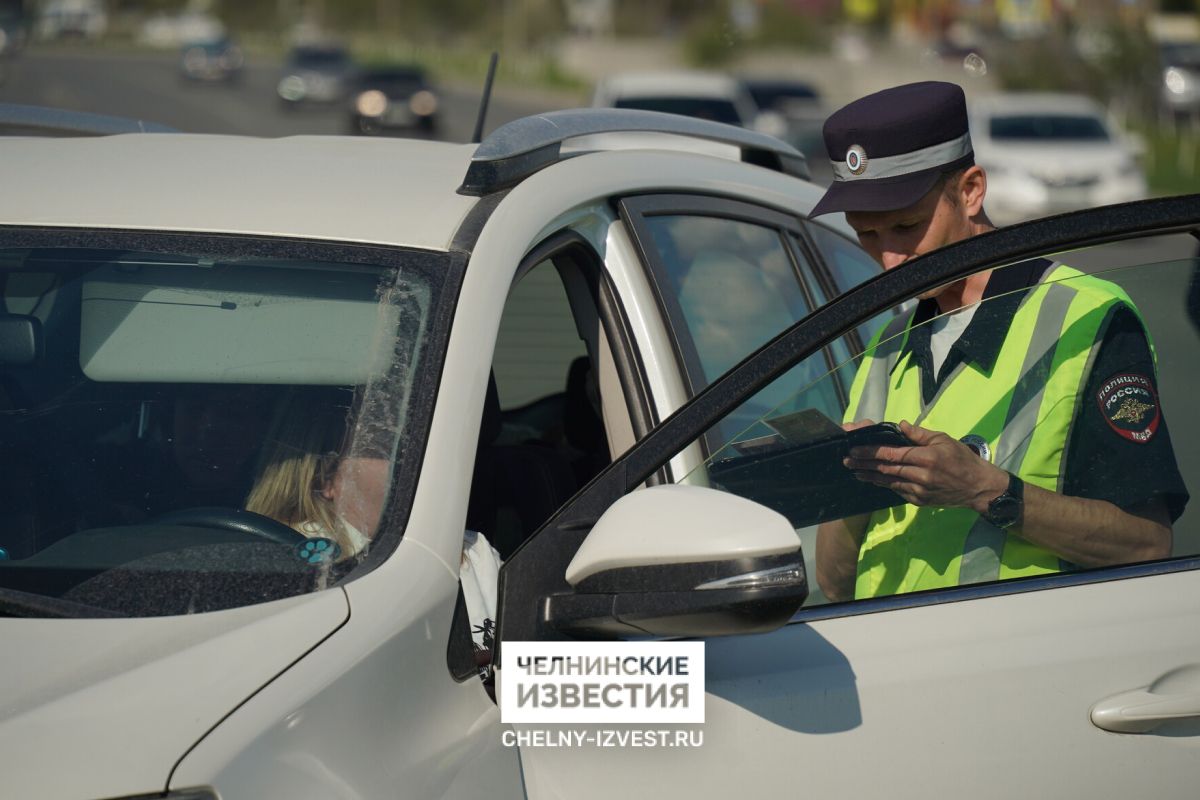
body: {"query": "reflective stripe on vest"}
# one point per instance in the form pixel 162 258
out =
pixel 1024 408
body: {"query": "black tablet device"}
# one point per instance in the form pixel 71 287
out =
pixel 798 471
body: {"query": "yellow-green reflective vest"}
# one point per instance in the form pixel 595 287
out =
pixel 1024 407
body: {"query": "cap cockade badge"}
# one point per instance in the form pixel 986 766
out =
pixel 856 159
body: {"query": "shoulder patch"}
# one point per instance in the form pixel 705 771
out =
pixel 1129 405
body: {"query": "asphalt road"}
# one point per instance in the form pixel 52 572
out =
pixel 147 86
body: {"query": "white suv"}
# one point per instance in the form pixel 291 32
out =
pixel 510 338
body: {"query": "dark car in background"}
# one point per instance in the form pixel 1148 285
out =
pixel 1180 91
pixel 212 60
pixel 392 98
pixel 14 28
pixel 798 104
pixel 315 73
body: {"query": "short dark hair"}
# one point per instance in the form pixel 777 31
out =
pixel 946 183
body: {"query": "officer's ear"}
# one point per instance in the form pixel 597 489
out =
pixel 972 187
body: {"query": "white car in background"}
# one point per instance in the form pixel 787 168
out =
pixel 704 95
pixel 1049 153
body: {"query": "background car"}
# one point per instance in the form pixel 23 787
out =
pixel 803 113
pixel 781 94
pixel 71 19
pixel 1048 153
pixel 315 73
pixel 392 98
pixel 705 95
pixel 211 60
pixel 1180 90
pixel 14 29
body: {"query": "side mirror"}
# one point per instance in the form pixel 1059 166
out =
pixel 682 561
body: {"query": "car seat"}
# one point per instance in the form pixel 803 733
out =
pixel 515 487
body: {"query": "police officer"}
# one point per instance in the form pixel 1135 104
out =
pixel 1028 393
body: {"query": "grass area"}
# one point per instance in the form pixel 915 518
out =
pixel 1173 158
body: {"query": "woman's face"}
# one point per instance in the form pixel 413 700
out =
pixel 359 490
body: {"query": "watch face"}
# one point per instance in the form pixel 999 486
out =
pixel 1004 511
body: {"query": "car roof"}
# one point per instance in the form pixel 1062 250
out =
pixel 1036 103
pixel 682 83
pixel 383 191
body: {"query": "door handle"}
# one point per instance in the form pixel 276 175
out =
pixel 1174 696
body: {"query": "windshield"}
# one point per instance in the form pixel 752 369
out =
pixel 772 95
pixel 182 432
pixel 711 108
pixel 320 59
pixel 1182 55
pixel 1048 128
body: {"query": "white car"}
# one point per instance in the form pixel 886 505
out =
pixel 1049 153
pixel 693 93
pixel 551 346
pixel 61 19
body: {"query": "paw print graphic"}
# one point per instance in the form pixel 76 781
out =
pixel 318 551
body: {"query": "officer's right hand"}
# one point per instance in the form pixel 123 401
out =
pixel 853 426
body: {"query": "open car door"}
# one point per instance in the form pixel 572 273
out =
pixel 1083 682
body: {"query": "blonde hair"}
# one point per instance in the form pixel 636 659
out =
pixel 299 461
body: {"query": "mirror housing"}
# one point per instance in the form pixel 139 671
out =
pixel 682 561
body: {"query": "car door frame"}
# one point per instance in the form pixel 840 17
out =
pixel 537 569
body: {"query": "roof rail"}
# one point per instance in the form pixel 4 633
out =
pixel 520 148
pixel 40 120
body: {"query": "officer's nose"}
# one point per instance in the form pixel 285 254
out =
pixel 891 260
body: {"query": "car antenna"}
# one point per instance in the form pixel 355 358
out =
pixel 477 137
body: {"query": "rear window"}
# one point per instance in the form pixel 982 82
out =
pixel 1048 128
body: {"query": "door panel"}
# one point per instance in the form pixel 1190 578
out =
pixel 982 698
pixel 981 689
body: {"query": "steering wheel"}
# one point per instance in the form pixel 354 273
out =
pixel 233 519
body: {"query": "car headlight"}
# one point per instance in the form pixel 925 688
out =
pixel 232 59
pixel 423 103
pixel 1176 80
pixel 292 88
pixel 371 103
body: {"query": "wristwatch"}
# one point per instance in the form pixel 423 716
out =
pixel 1005 511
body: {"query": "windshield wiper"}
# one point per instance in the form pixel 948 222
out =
pixel 15 603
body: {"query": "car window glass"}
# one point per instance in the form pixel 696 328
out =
pixel 849 266
pixel 1047 127
pixel 1079 384
pixel 732 286
pixel 149 400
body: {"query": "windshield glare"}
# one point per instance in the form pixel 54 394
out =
pixel 183 433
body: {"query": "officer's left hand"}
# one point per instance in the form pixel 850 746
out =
pixel 936 471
